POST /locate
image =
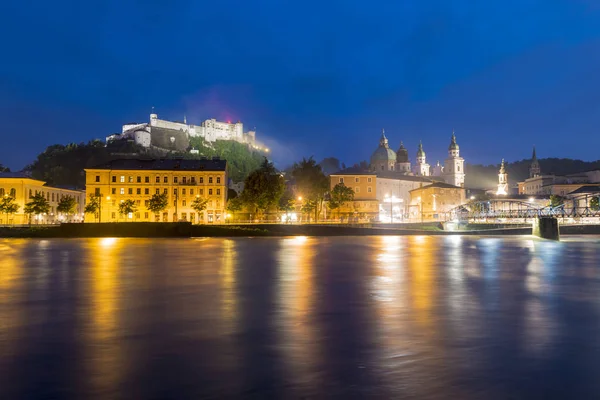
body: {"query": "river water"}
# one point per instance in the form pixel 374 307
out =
pixel 346 317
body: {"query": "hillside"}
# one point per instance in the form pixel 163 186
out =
pixel 486 176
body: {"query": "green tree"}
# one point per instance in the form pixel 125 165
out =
pixel 93 206
pixel 339 195
pixel 199 204
pixel 595 203
pixel 330 165
pixel 8 206
pixel 311 182
pixel 234 205
pixel 127 207
pixel 66 205
pixel 4 169
pixel 263 188
pixel 157 204
pixel 556 200
pixel 287 202
pixel 37 206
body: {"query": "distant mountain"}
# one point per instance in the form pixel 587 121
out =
pixel 486 176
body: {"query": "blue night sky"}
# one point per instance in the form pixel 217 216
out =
pixel 314 77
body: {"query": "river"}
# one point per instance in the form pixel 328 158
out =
pixel 423 317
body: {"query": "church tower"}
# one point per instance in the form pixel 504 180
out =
pixel 421 168
pixel 454 166
pixel 502 180
pixel 534 168
pixel 402 160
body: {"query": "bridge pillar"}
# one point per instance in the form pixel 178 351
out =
pixel 546 228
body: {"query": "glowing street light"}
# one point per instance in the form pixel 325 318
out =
pixel 299 198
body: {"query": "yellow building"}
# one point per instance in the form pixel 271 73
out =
pixel 138 180
pixel 22 187
pixel 364 185
pixel 432 201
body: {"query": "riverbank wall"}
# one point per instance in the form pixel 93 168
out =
pixel 186 229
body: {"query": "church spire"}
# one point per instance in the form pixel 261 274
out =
pixel 383 142
pixel 534 168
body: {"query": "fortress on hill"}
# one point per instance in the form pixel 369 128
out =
pixel 175 136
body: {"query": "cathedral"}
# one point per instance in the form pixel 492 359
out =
pixel 386 159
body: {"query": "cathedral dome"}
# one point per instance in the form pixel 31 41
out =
pixel 383 152
pixel 453 144
pixel 402 154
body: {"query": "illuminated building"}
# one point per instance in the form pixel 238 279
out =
pixel 364 185
pixel 138 179
pixel 22 187
pixel 502 181
pixel 428 202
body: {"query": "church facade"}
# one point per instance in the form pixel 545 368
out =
pixel 386 159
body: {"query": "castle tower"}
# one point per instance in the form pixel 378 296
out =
pixel 502 180
pixel 383 158
pixel 534 168
pixel 402 160
pixel 454 166
pixel 421 168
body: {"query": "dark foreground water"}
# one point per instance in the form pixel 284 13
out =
pixel 355 317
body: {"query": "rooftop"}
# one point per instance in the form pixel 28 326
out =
pixel 587 189
pixel 165 164
pixel 354 171
pixel 401 176
pixel 441 185
pixel 16 175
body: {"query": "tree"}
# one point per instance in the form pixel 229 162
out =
pixel 234 205
pixel 339 195
pixel 66 205
pixel 158 203
pixel 263 188
pixel 330 165
pixel 199 204
pixel 4 169
pixel 287 202
pixel 595 203
pixel 556 200
pixel 37 206
pixel 311 182
pixel 8 206
pixel 93 205
pixel 127 207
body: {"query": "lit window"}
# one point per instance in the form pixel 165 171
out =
pixel 122 191
pixel 130 179
pixel 122 179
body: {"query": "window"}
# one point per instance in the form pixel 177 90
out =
pixel 146 202
pixel 356 189
pixel 113 215
pixel 113 191
pixel 130 179
pixel 32 196
pixel 174 203
pixel 175 179
pixel 13 193
pixel 369 180
pixel 201 192
pixel 114 178
pixel 165 191
pixel 210 179
pixel 184 180
pixel 201 179
pixel 191 192
pixel 158 179
pixel 357 179
pixel 122 191
pixel 130 191
pixel 183 203
pixel 341 180
pixel 147 179
pixel 146 191
pixel 96 192
pixel 183 191
pixel 369 189
pixel 138 191
pixel 97 178
pixel 192 217
pixel 218 179
pixel 184 216
pixel 194 180
pixel 209 192
pixel 157 191
pixel 146 215
pixel 138 202
pixel 166 179
pixel 138 179
pixel 175 192
pixel 122 180
pixel 218 191
pixel 52 195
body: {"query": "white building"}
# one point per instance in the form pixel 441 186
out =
pixel 394 187
pixel 421 168
pixel 454 167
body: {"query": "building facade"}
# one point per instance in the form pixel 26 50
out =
pixel 432 201
pixel 22 187
pixel 364 185
pixel 454 166
pixel 393 193
pixel 502 181
pixel 182 180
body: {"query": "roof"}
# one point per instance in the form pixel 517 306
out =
pixel 21 175
pixel 441 185
pixel 169 164
pixel 586 189
pixel 354 171
pixel 402 154
pixel 401 176
pixel 383 154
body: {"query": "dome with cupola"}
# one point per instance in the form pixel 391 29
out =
pixel 383 153
pixel 402 154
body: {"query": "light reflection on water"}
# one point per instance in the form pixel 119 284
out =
pixel 371 317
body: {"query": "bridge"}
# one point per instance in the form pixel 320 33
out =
pixel 516 211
